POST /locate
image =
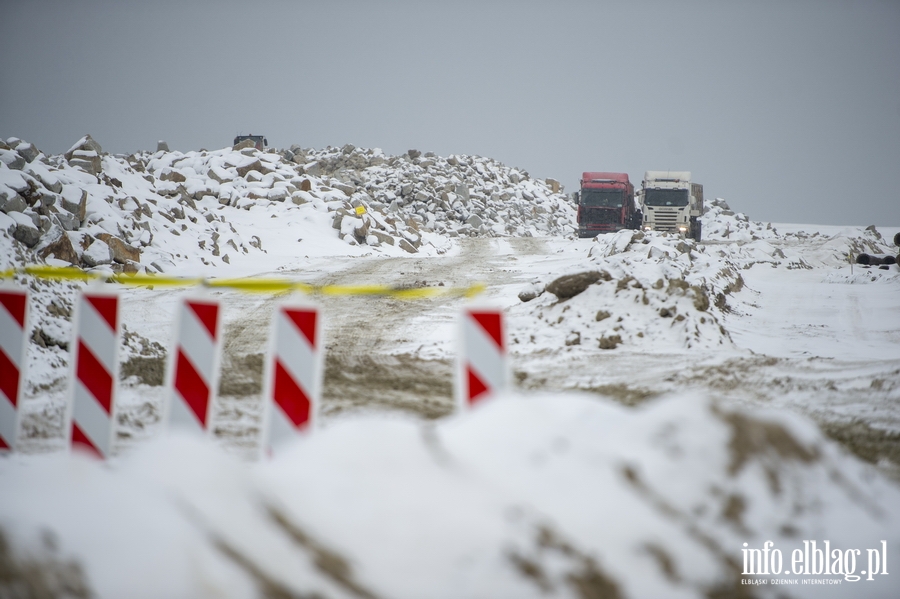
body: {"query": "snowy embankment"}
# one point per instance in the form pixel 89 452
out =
pixel 547 495
pixel 541 496
pixel 657 292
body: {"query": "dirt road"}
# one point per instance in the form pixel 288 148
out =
pixel 382 353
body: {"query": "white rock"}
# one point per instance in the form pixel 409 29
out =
pixel 97 254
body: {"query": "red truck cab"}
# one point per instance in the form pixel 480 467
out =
pixel 606 204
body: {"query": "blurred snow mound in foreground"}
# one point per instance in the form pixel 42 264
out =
pixel 526 496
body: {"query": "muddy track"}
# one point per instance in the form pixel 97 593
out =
pixel 376 354
pixel 377 349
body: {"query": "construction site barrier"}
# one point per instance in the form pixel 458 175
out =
pixel 482 364
pixel 293 376
pixel 194 367
pixel 95 371
pixel 13 344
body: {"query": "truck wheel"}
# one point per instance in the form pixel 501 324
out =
pixel 695 230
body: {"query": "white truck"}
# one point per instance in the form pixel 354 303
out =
pixel 670 202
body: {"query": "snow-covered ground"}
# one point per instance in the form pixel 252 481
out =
pixel 671 400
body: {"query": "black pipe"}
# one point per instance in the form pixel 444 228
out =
pixel 872 260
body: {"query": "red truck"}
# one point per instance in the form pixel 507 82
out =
pixel 606 204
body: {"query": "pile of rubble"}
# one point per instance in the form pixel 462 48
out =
pixel 721 223
pixel 457 195
pixel 752 242
pixel 88 208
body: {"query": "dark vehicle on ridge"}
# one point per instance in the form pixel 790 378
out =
pixel 259 141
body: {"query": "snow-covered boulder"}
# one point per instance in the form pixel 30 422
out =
pixel 86 155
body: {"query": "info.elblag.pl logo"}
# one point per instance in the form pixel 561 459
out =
pixel 815 559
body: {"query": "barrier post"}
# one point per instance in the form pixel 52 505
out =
pixel 194 366
pixel 482 368
pixel 293 383
pixel 13 354
pixel 95 371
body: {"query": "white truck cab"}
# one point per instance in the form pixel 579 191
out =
pixel 671 202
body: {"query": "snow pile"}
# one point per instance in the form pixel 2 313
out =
pixel 652 291
pixel 721 223
pixel 657 291
pixel 797 249
pixel 540 496
pixel 788 246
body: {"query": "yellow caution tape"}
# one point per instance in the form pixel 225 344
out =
pixel 250 284
pixel 254 285
pixel 153 280
pixel 55 272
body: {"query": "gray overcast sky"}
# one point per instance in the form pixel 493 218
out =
pixel 788 109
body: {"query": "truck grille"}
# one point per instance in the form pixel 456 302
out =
pixel 598 216
pixel 666 220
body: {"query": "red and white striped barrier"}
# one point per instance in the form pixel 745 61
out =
pixel 194 369
pixel 293 373
pixel 482 364
pixel 95 371
pixel 13 344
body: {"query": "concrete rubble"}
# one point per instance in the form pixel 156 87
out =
pixel 59 205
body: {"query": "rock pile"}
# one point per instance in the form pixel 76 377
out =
pixel 721 223
pixel 457 195
pixel 88 208
pixel 46 210
pixel 752 242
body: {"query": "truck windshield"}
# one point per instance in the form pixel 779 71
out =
pixel 609 198
pixel 666 197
